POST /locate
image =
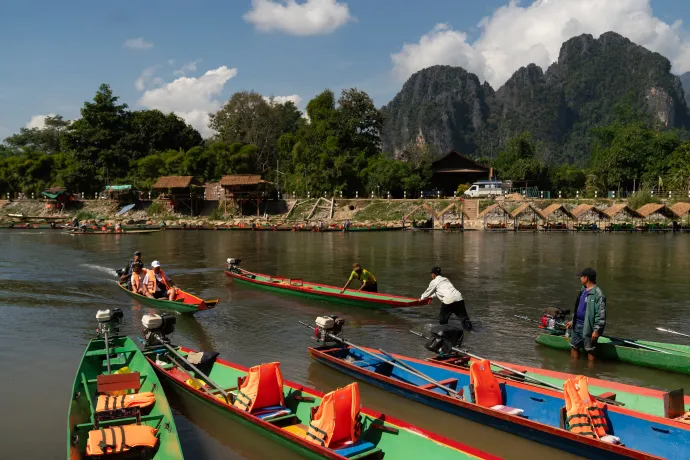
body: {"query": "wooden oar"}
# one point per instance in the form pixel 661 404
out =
pixel 671 331
pixel 184 360
pixel 394 364
pixel 522 374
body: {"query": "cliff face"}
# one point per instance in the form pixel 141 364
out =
pixel 585 88
pixel 685 82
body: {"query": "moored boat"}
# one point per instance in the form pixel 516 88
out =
pixel 522 409
pixel 183 303
pixel 658 355
pixel 636 398
pixel 113 232
pixel 301 419
pixel 297 286
pixel 118 407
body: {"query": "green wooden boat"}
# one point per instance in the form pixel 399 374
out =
pixel 129 372
pixel 185 302
pixel 323 292
pixel 676 358
pixel 287 425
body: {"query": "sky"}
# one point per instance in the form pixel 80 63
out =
pixel 190 57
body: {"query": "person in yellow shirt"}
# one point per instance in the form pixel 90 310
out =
pixel 368 280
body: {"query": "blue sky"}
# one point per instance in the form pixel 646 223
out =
pixel 55 54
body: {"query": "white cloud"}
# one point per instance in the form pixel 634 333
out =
pixel 191 98
pixel 38 121
pixel 137 44
pixel 147 79
pixel 187 68
pixel 294 98
pixel 313 17
pixel 514 36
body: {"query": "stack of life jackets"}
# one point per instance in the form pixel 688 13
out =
pixel 585 415
pixel 337 421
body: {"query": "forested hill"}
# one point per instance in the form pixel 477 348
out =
pixel 685 81
pixel 587 87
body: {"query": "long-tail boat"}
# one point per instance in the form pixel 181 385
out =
pixel 184 301
pixel 636 398
pixel 113 232
pixel 526 410
pixel 658 355
pixel 297 286
pixel 315 425
pixel 118 407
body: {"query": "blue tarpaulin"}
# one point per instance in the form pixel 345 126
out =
pixel 129 207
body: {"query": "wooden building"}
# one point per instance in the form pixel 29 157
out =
pixel 243 189
pixel 496 218
pixel 182 193
pixel 455 169
pixel 556 217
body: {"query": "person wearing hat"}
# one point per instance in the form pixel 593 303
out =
pixel 158 284
pixel 129 269
pixel 451 299
pixel 368 280
pixel 589 318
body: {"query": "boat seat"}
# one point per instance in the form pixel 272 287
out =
pixel 351 449
pixel 117 382
pixel 298 430
pixel 468 395
pixel 451 383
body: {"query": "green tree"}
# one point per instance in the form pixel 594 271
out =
pixel 518 162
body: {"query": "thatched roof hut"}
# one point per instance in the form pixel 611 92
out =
pixel 621 212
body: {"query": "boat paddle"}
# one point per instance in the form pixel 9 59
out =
pixel 522 374
pixel 422 376
pixel 613 339
pixel 671 331
pixel 204 376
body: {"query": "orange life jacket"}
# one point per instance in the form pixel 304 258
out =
pixel 152 281
pixel 116 439
pixel 263 387
pixel 337 419
pixel 108 402
pixel 585 414
pixel 137 281
pixel 487 392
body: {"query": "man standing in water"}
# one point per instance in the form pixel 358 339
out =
pixel 590 316
pixel 451 299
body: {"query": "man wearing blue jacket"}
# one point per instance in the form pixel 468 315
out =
pixel 589 318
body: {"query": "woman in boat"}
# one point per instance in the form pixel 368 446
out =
pixel 368 280
pixel 137 278
pixel 451 299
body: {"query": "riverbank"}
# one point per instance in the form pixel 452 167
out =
pixel 439 213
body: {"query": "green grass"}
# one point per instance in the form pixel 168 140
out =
pixel 85 215
pixel 155 209
pixel 384 210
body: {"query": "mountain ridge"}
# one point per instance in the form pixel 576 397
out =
pixel 450 108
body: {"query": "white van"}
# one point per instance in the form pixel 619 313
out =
pixel 485 188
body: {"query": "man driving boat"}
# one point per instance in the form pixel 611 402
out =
pixel 157 284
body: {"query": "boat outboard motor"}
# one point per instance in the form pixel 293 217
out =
pixel 109 322
pixel 233 264
pixel 326 325
pixel 157 328
pixel 443 338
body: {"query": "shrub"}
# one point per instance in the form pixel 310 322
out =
pixel 462 188
pixel 155 209
pixel 642 198
pixel 85 215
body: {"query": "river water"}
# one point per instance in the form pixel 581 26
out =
pixel 53 283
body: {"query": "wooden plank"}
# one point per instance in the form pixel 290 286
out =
pixel 674 403
pixel 313 210
pixel 115 382
pixel 332 205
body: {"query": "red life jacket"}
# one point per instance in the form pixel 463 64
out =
pixel 337 419
pixel 263 387
pixel 487 392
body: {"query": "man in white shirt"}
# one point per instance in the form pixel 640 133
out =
pixel 451 299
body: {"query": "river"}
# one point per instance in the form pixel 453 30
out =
pixel 53 283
